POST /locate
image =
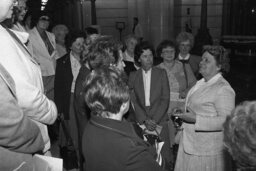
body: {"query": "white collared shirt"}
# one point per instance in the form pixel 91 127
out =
pixel 184 58
pixel 75 67
pixel 146 83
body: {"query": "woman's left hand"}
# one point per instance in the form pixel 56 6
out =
pixel 188 116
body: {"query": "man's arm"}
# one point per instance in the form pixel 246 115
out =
pixel 18 133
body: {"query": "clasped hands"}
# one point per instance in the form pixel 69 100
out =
pixel 150 124
pixel 189 116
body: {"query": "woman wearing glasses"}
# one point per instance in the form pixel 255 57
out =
pixel 207 105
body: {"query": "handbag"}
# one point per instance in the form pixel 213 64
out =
pixel 68 152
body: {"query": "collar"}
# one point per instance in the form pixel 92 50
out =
pixel 212 80
pixel 184 58
pixel 121 127
pixel 23 36
pixel 146 72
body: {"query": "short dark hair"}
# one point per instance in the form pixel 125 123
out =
pixel 72 36
pixel 105 90
pixel 240 134
pixel 104 48
pixel 139 49
pixel 164 44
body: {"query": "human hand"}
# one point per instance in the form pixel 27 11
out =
pixel 150 124
pixel 189 116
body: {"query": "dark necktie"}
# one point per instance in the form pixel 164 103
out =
pixel 184 62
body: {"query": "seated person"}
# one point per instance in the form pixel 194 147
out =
pixel 240 135
pixel 109 142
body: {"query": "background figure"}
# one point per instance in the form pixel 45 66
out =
pixel 240 135
pixel 19 14
pixel 109 142
pixel 67 70
pixel 137 29
pixel 128 54
pixel 208 104
pixel 185 43
pixel 60 31
pixel 42 44
pixel 26 74
pixel 179 81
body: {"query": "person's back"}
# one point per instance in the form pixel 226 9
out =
pixel 109 142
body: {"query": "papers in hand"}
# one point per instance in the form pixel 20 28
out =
pixel 47 163
pixel 158 145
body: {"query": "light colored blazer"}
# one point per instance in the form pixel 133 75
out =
pixel 20 137
pixel 211 102
pixel 159 95
pixel 28 81
pixel 40 53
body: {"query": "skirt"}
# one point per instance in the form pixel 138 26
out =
pixel 190 162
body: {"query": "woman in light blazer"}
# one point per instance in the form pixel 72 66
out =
pixel 207 105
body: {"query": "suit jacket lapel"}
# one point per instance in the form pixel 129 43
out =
pixel 140 83
pixel 40 41
pixel 152 84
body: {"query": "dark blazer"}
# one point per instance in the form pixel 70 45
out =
pixel 82 111
pixel 62 85
pixel 112 145
pixel 20 137
pixel 159 95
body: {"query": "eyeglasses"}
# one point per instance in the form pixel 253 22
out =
pixel 168 51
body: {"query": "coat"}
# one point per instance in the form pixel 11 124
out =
pixel 37 47
pixel 20 137
pixel 159 95
pixel 112 145
pixel 27 77
pixel 211 103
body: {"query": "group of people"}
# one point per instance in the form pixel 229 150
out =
pixel 111 95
